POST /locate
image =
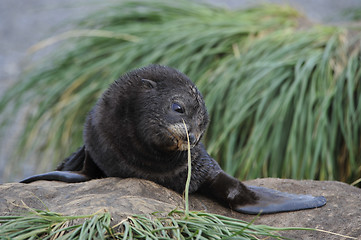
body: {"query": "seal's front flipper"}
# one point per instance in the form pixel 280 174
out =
pixel 272 201
pixel 63 176
pixel 256 200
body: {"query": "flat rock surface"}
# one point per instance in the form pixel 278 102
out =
pixel 123 197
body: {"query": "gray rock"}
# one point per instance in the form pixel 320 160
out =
pixel 124 197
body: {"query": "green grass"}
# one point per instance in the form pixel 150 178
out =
pixel 198 225
pixel 284 100
pixel 39 224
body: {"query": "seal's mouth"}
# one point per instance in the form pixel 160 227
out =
pixel 179 139
pixel 180 144
pixel 183 145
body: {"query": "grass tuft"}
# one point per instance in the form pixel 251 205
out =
pixel 46 225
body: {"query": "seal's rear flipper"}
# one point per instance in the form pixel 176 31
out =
pixel 272 201
pixel 63 176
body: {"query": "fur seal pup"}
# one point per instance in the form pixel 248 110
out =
pixel 136 130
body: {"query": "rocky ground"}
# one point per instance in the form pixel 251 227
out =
pixel 124 197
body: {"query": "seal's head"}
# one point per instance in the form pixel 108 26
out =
pixel 146 109
pixel 164 99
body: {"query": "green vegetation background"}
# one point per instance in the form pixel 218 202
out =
pixel 283 94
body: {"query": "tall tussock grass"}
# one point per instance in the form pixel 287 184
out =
pixel 283 95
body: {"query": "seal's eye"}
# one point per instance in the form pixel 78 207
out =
pixel 177 108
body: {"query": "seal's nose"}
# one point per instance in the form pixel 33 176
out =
pixel 192 139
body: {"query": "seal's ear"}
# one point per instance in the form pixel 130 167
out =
pixel 148 84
